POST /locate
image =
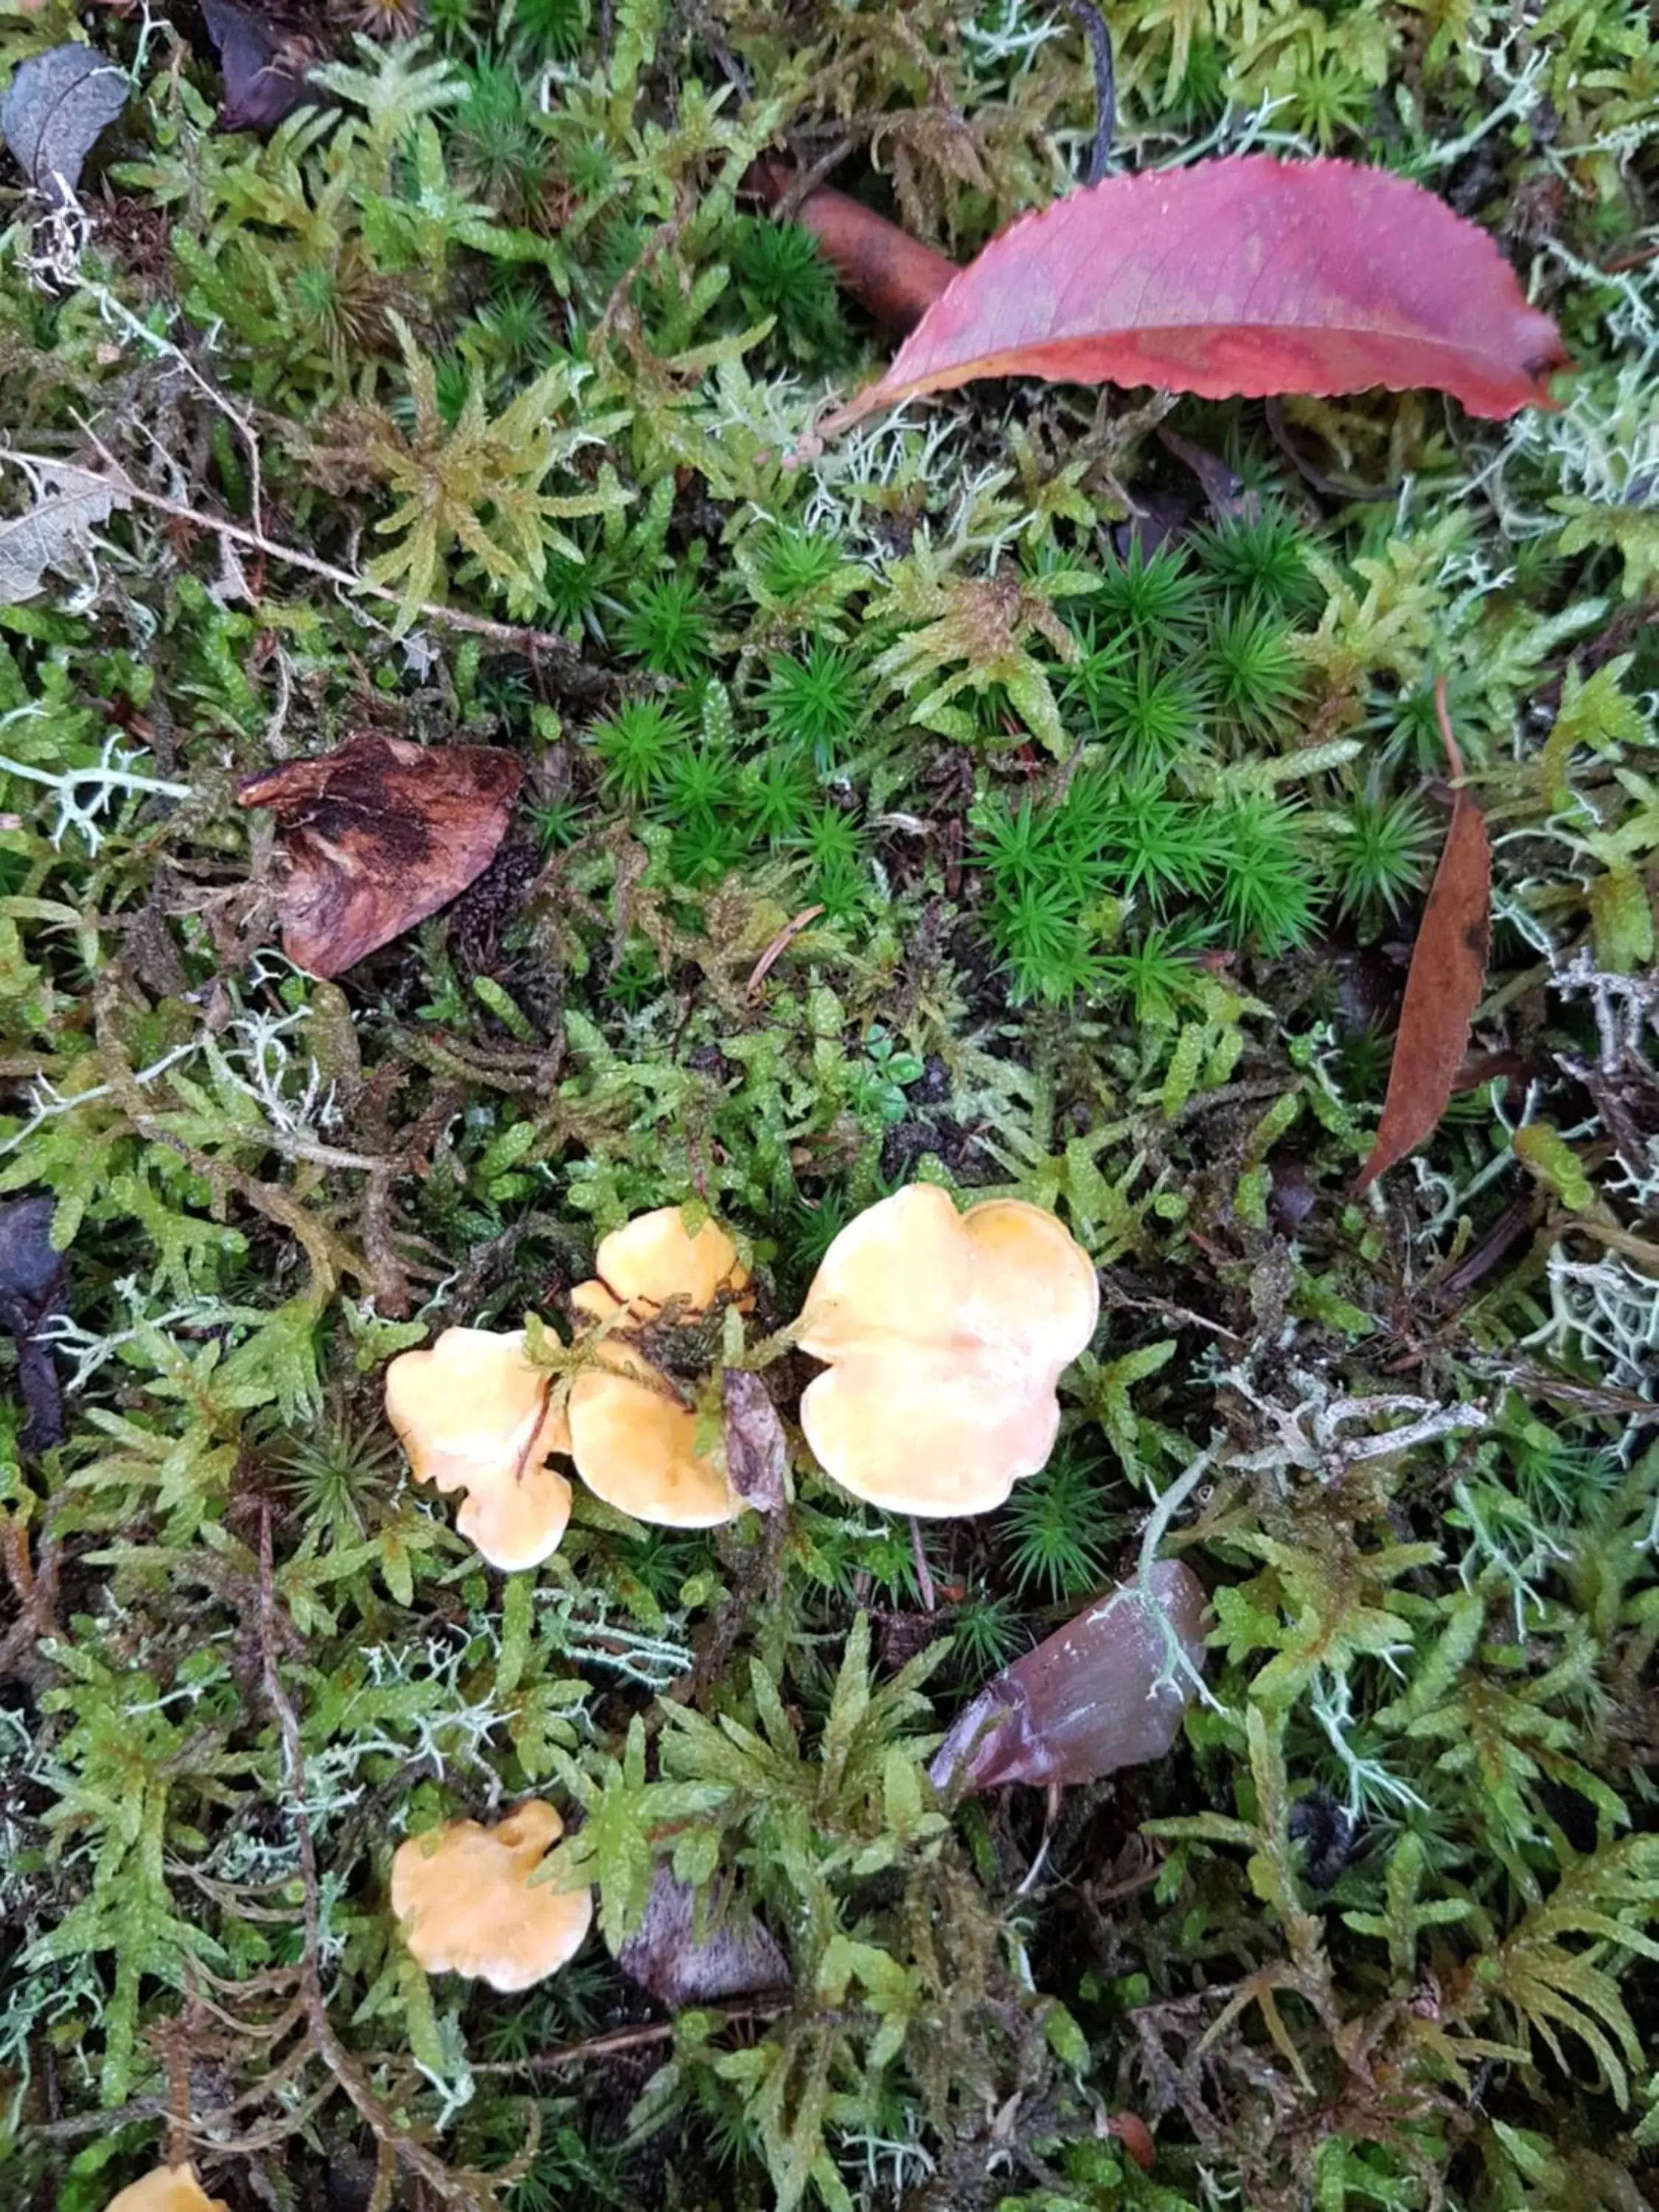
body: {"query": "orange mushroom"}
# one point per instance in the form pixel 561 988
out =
pixel 633 1436
pixel 473 1414
pixel 944 1335
pixel 464 1900
pixel 169 2188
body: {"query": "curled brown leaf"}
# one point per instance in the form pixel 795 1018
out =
pixel 700 1947
pixel 378 835
pixel 756 1454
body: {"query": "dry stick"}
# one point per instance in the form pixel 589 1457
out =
pixel 35 1589
pixel 806 180
pixel 512 637
pixel 620 2040
pixel 446 2186
pixel 1327 487
pixel 1093 25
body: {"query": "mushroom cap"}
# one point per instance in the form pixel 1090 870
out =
pixel 169 2188
pixel 473 1414
pixel 655 1258
pixel 944 1335
pixel 637 1449
pixel 634 1445
pixel 462 1898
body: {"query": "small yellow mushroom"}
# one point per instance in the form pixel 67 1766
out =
pixel 169 2188
pixel 473 1414
pixel 944 1335
pixel 632 1439
pixel 462 1898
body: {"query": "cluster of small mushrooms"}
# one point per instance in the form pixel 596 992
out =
pixel 943 1335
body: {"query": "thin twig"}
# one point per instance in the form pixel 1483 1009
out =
pixel 577 674
pixel 1093 25
pixel 621 2040
pixel 1326 486
pixel 805 181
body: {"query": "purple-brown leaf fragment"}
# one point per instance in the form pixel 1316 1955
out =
pixel 377 837
pixel 31 1289
pixel 264 62
pixel 1107 1690
pixel 756 1454
pixel 732 1955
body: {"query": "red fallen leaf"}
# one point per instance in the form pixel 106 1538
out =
pixel 1444 982
pixel 894 277
pixel 377 837
pixel 1097 1694
pixel 1238 278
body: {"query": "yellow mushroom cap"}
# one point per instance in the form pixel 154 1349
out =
pixel 169 2188
pixel 944 1335
pixel 656 1258
pixel 633 1445
pixel 637 1449
pixel 463 1900
pixel 472 1415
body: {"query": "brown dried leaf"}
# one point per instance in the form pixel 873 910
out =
pixel 756 1455
pixel 1101 1693
pixel 378 835
pixel 1444 986
pixel 1136 2137
pixel 58 531
pixel 733 1956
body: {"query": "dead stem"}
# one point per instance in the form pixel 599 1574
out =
pixel 575 675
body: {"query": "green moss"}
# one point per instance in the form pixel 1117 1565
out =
pixel 1115 856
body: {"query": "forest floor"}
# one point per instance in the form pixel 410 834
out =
pixel 1036 793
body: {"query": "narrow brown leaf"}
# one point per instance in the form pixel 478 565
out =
pixel 780 944
pixel 893 277
pixel 1444 982
pixel 377 837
